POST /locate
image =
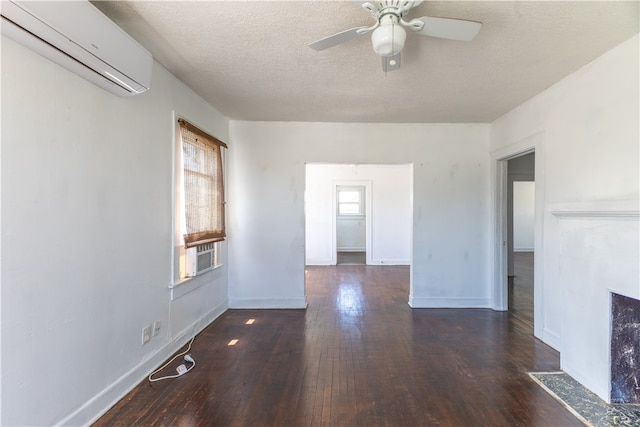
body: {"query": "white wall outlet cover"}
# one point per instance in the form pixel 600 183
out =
pixel 156 327
pixel 146 334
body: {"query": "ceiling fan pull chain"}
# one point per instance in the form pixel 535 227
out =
pixel 391 61
pixel 393 38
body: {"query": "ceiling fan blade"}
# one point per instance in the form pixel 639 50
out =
pixel 338 38
pixel 390 63
pixel 448 28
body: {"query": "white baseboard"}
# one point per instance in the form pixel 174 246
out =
pixel 522 249
pixel 601 390
pixel 390 262
pixel 98 405
pixel 318 261
pixel 351 249
pixel 428 302
pixel 267 303
pixel 325 261
pixel 551 338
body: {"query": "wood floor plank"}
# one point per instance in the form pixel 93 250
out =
pixel 521 289
pixel 357 356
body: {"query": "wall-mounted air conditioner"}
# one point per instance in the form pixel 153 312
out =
pixel 199 259
pixel 82 39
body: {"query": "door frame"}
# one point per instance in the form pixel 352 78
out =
pixel 499 159
pixel 334 215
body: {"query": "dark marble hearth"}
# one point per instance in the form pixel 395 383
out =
pixel 584 404
pixel 625 349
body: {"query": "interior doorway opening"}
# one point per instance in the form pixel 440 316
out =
pixel 520 197
pixel 358 208
pixel 376 199
pixel 351 230
pixel 531 144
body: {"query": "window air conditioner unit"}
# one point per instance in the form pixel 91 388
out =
pixel 82 39
pixel 199 259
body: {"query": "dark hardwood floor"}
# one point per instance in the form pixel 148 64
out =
pixel 351 258
pixel 358 356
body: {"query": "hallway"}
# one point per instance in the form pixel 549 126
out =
pixel 351 258
pixel 521 288
pixel 358 356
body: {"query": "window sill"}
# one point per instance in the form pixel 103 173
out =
pixel 186 285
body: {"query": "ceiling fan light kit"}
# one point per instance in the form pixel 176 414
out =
pixel 388 34
pixel 388 39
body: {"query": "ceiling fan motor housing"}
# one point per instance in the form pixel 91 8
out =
pixel 388 39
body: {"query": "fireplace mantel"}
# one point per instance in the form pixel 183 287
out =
pixel 599 248
pixel 615 209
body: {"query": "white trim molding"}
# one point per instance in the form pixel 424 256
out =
pixel 267 303
pixel 103 401
pixel 609 209
pixel 427 302
pixel 552 339
pixel 499 177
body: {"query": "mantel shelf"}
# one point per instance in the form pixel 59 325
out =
pixel 618 209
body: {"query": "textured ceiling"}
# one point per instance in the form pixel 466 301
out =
pixel 251 60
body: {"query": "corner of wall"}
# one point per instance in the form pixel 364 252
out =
pixel 98 405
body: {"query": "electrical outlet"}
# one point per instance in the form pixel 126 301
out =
pixel 146 334
pixel 156 327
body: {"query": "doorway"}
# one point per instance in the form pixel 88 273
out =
pixel 500 158
pixel 520 237
pixel 351 230
pixel 375 198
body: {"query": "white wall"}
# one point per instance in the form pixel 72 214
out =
pixel 523 215
pixel 450 205
pixel 589 125
pixel 390 202
pixel 351 233
pixel 87 239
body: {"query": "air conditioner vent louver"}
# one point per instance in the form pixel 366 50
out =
pixel 199 259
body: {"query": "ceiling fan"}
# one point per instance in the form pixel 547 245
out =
pixel 388 34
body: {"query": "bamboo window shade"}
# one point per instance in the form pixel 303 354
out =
pixel 203 186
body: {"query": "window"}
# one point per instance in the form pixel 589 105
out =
pixel 202 214
pixel 350 200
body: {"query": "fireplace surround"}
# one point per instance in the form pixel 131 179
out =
pixel 592 251
pixel 625 349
